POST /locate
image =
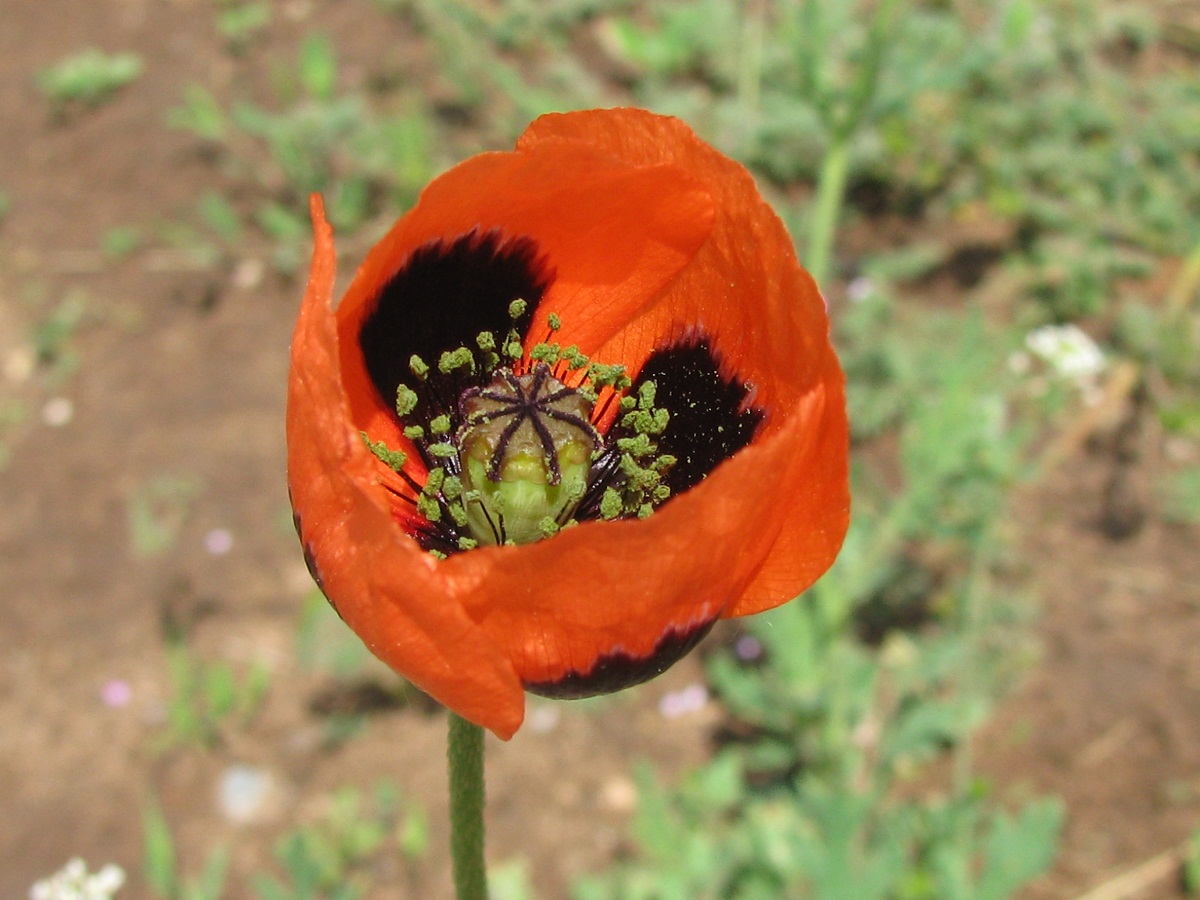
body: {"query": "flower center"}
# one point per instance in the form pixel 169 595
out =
pixel 525 451
pixel 512 454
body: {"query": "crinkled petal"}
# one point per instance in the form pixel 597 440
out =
pixel 769 326
pixel 388 590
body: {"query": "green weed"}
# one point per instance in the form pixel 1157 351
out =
pixel 240 23
pixel 363 159
pixel 157 511
pixel 1181 496
pixel 88 78
pixel 328 859
pixel 505 64
pixel 12 413
pixel 160 863
pixel 206 697
pixel 912 106
pixel 53 337
pixel 510 881
pixel 121 242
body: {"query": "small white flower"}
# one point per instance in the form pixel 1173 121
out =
pixel 1068 349
pixel 72 882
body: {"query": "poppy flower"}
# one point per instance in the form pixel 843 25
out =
pixel 576 406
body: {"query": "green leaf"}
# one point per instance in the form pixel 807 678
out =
pixel 200 113
pixel 211 883
pixel 241 22
pixel 1018 849
pixel 318 67
pixel 158 852
pixel 220 216
pixel 89 77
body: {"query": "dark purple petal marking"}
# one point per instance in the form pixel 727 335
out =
pixel 711 418
pixel 617 671
pixel 443 296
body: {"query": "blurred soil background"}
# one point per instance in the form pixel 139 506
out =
pixel 1002 675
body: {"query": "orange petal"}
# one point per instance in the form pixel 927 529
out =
pixel 616 235
pixel 559 605
pixel 746 288
pixel 385 587
pixel 767 522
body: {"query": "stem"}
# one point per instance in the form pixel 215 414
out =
pixel 831 187
pixel 750 62
pixel 842 116
pixel 465 752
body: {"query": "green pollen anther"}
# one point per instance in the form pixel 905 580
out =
pixel 406 400
pixel 639 479
pixel 440 425
pixel 646 421
pixel 393 459
pixel 452 487
pixel 638 489
pixel 433 484
pixel 638 445
pixel 611 504
pixel 418 367
pixel 554 321
pixel 603 376
pixel 516 309
pixel 466 543
pixel 547 353
pixel 514 350
pixel 574 358
pixel 443 450
pixel 462 358
pixel 414 432
pixel 486 340
pixel 429 508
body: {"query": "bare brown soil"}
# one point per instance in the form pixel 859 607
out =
pixel 180 382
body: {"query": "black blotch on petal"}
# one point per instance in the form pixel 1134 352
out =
pixel 617 671
pixel 710 419
pixel 444 295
